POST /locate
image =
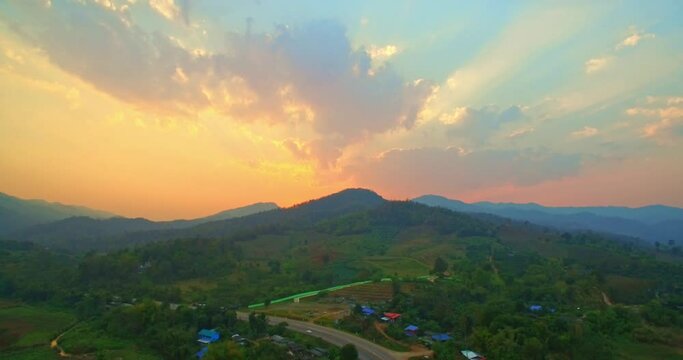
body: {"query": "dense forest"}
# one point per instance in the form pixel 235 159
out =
pixel 598 295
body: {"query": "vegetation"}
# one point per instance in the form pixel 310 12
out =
pixel 598 295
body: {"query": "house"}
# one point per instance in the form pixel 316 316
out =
pixel 471 355
pixel 206 336
pixel 318 352
pixel 535 308
pixel 367 311
pixel 441 337
pixel 239 339
pixel 202 352
pixel 391 316
pixel 411 330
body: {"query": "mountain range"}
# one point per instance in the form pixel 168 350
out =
pixel 82 229
pixel 17 213
pixel 84 234
pixel 656 223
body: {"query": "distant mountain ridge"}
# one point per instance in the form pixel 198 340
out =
pixel 650 223
pixel 83 234
pixel 17 213
pixel 63 233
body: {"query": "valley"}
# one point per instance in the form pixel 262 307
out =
pixel 473 278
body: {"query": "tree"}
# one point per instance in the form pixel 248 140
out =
pixel 444 350
pixel 532 349
pixel 348 352
pixel 224 350
pixel 274 266
pixel 396 287
pixel 440 266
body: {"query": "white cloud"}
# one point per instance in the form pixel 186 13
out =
pixel 382 52
pixel 453 169
pixel 304 75
pixel 656 128
pixel 634 38
pixel 167 8
pixel 596 64
pixel 587 131
pixel 665 119
pixel 520 132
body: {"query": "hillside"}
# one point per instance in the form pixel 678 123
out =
pixel 84 234
pixel 486 271
pixel 17 214
pixel 651 223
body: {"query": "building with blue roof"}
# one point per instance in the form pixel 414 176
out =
pixel 535 307
pixel 202 352
pixel 367 311
pixel 206 336
pixel 441 337
pixel 410 330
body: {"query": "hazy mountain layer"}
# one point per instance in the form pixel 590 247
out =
pixel 651 223
pixel 17 214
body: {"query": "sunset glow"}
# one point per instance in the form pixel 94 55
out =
pixel 180 109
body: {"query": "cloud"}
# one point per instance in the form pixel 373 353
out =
pixel 308 74
pixel 664 117
pixel 167 8
pixel 383 52
pixel 520 132
pixel 587 131
pixel 527 36
pixel 634 38
pixel 477 125
pixel 596 64
pixel 454 170
pixel 664 125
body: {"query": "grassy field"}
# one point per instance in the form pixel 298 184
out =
pixel 189 288
pixel 32 353
pixel 628 290
pixel 86 339
pixel 640 351
pixel 308 309
pixel 26 331
pixel 396 266
pixel 367 293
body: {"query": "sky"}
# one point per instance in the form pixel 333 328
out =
pixel 182 108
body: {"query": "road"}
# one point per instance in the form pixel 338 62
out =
pixel 366 349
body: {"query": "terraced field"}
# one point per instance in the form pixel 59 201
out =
pixel 370 293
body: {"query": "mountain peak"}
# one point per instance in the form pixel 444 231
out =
pixel 345 199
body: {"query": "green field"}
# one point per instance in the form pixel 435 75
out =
pixel 32 353
pixel 640 351
pixel 395 266
pixel 85 338
pixel 26 331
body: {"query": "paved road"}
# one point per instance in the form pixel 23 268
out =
pixel 366 349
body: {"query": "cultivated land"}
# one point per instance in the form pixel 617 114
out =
pixel 26 331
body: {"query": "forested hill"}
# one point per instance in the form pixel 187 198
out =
pixel 654 224
pixel 600 294
pixel 85 234
pixel 17 214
